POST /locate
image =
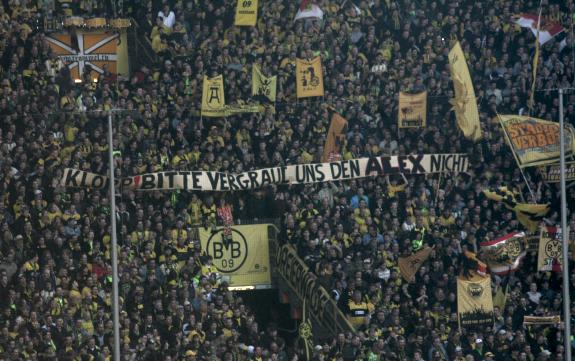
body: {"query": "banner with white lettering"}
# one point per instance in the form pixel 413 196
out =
pixel 288 175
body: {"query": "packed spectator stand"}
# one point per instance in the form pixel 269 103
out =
pixel 55 273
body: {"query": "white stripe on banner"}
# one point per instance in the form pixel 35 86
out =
pixel 291 174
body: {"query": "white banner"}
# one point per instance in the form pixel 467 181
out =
pixel 291 174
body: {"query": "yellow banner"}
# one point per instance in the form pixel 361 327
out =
pixel 474 302
pixel 541 320
pixel 535 141
pixel 552 173
pixel 335 139
pixel 262 85
pixel 246 13
pixel 213 101
pixel 322 307
pixel 550 256
pixel 242 260
pixel 309 78
pixel 408 266
pixel 412 112
pixel 464 104
pixel 500 298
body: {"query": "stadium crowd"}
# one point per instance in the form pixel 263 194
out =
pixel 55 273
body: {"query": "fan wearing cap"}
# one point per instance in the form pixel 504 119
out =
pixel 478 349
pixel 501 343
pixel 458 354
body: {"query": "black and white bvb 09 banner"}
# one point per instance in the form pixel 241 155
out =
pixel 291 174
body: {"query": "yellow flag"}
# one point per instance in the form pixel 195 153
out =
pixel 246 13
pixel 500 298
pixel 529 215
pixel 242 260
pixel 335 138
pixel 550 256
pixel 213 101
pixel 262 85
pixel 412 110
pixel 309 78
pixel 474 302
pixel 535 141
pixel 408 266
pixel 464 104
pixel 535 62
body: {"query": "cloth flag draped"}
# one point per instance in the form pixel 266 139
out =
pixel 535 141
pixel 504 254
pixel 309 78
pixel 550 255
pixel 412 110
pixel 213 101
pixel 262 85
pixel 529 215
pixel 474 302
pixel 408 266
pixel 552 173
pixel 500 298
pixel 535 60
pixel 541 320
pixel 335 139
pixel 472 263
pixel 464 104
pixel 246 13
pixel 308 9
pixel 548 29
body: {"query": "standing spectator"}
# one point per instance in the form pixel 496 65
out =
pixel 168 16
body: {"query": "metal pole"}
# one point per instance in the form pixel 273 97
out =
pixel 564 235
pixel 115 306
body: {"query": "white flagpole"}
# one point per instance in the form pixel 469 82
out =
pixel 565 235
pixel 115 303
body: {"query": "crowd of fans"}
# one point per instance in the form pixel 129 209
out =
pixel 55 273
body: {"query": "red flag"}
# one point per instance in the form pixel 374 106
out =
pixel 548 29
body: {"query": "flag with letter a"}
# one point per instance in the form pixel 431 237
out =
pixel 246 13
pixel 309 78
pixel 262 85
pixel 213 101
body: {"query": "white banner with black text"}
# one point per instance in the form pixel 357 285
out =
pixel 284 175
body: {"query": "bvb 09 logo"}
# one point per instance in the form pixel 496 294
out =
pixel 553 249
pixel 229 254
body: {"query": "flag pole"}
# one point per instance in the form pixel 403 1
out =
pixel 115 303
pixel 564 234
pixel 515 157
pixel 535 60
